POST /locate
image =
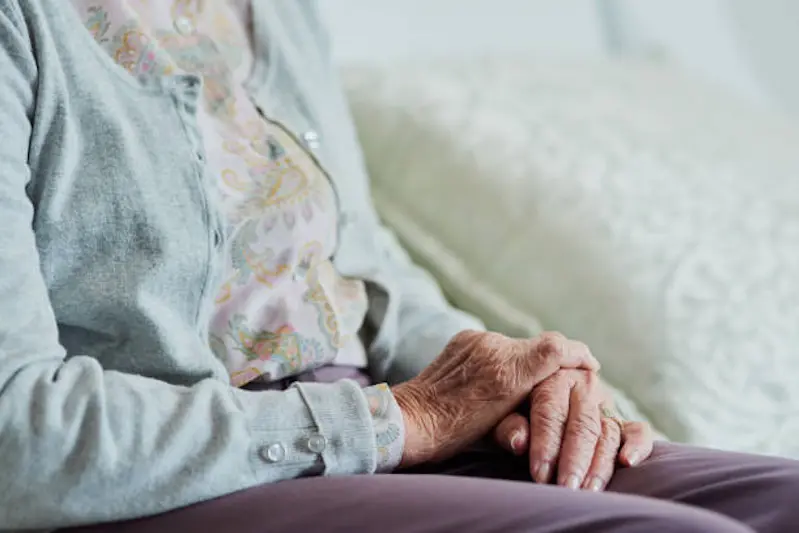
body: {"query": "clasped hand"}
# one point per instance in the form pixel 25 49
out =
pixel 476 385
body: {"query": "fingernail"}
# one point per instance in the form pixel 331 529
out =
pixel 572 482
pixel 517 443
pixel 596 484
pixel 542 473
pixel 632 458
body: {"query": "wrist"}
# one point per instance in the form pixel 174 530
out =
pixel 417 446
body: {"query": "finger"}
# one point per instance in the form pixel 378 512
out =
pixel 548 414
pixel 604 462
pixel 583 428
pixel 561 352
pixel 580 356
pixel 638 443
pixel 513 434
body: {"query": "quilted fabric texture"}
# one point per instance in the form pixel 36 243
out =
pixel 626 205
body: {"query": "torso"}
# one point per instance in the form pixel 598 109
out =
pixel 282 308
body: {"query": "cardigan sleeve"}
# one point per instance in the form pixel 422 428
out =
pixel 80 444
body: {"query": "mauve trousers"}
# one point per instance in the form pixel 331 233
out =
pixel 681 489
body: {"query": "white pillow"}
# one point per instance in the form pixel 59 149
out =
pixel 626 205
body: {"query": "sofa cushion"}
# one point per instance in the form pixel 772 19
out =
pixel 627 205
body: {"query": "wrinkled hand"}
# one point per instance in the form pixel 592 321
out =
pixel 477 380
pixel 567 432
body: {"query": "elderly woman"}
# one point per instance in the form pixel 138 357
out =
pixel 203 325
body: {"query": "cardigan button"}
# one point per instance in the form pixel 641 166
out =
pixel 273 453
pixel 317 443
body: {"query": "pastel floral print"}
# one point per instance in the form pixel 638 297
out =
pixel 389 431
pixel 131 48
pixel 265 265
pixel 287 350
pixel 318 296
pixel 97 23
pixel 199 54
pixel 137 53
pixel 187 9
pixel 275 182
pixel 281 308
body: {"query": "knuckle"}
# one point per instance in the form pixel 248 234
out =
pixel 550 345
pixel 552 417
pixel 591 379
pixel 611 433
pixel 551 336
pixel 584 391
pixel 550 397
pixel 585 427
pixel 633 429
pixel 547 348
pixel 581 347
pixel 638 430
pixel 551 389
pixel 547 440
pixel 584 382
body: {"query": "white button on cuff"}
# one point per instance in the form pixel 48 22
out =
pixel 317 443
pixel 273 453
pixel 184 26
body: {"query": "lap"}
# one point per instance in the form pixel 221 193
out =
pixel 680 489
pixel 757 490
pixel 426 504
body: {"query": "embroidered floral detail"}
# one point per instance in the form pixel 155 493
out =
pixel 231 178
pixel 265 265
pixel 276 183
pixel 273 185
pixel 388 424
pixel 137 54
pixel 240 378
pixel 98 24
pixel 273 194
pixel 232 44
pixel 290 350
pixel 225 293
pixel 328 319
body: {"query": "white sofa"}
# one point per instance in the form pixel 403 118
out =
pixel 626 205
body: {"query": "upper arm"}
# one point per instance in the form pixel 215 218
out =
pixel 27 324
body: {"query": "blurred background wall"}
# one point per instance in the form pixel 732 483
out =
pixel 749 46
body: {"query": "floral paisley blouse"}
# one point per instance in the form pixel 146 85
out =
pixel 283 308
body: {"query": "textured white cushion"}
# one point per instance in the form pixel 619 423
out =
pixel 625 205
